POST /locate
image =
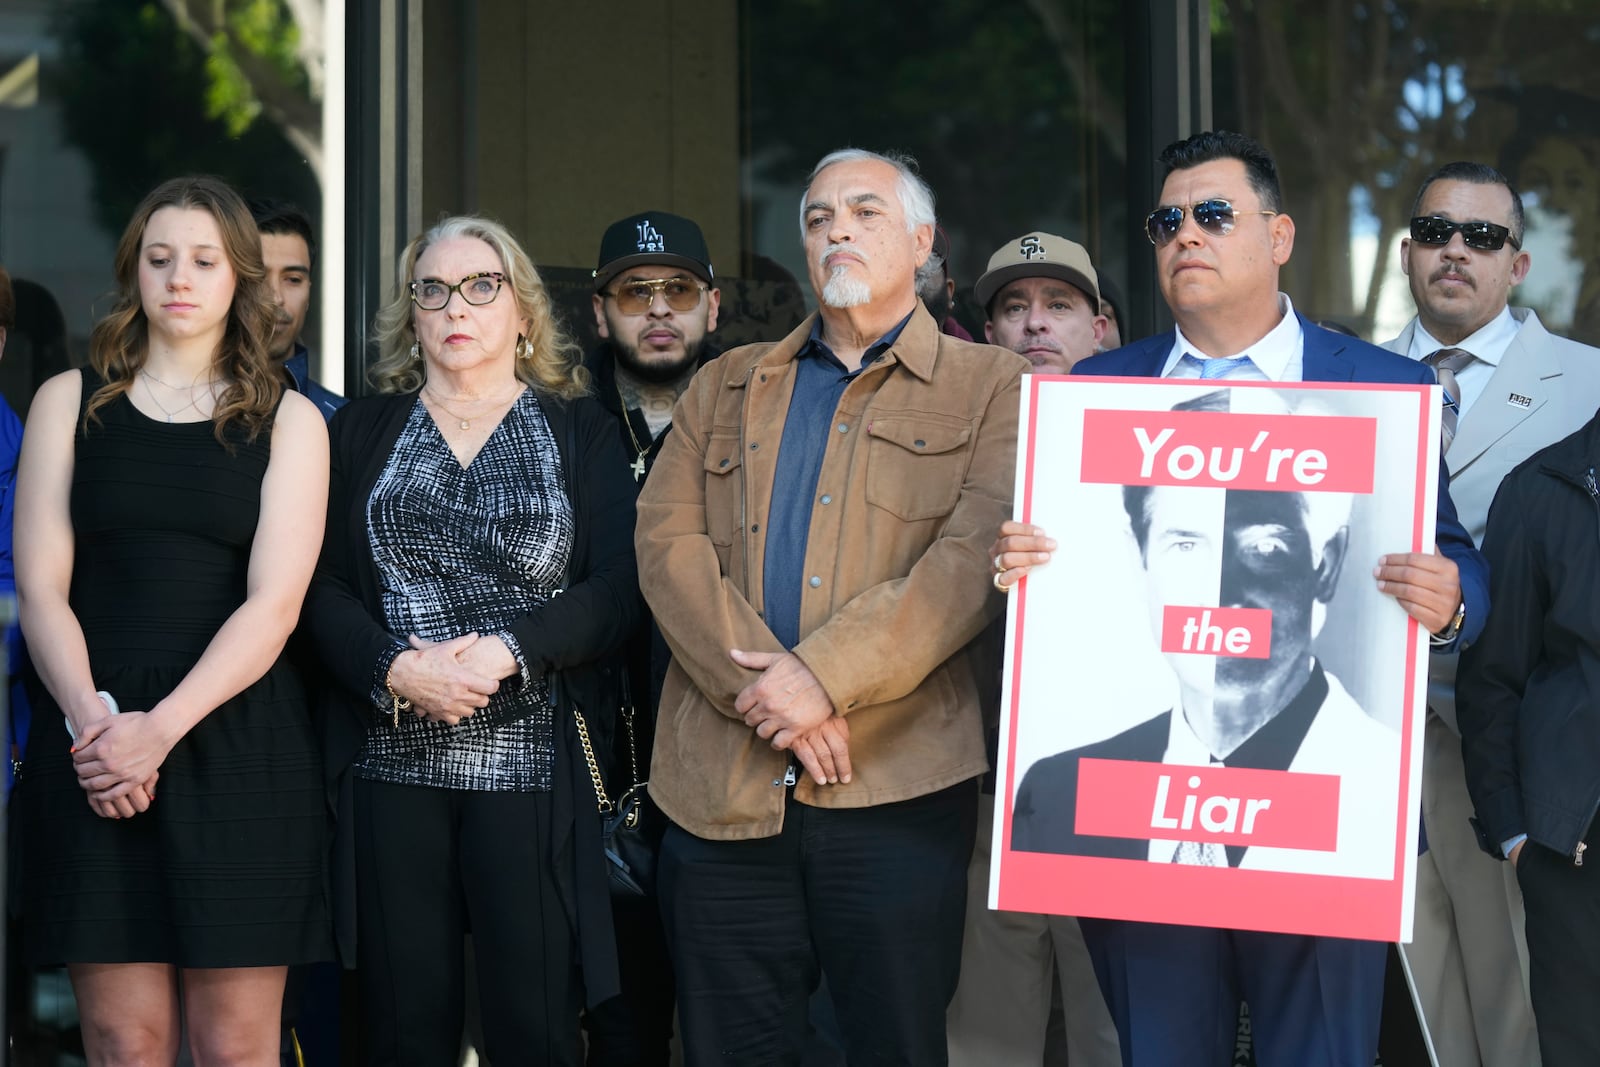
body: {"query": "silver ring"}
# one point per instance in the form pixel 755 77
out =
pixel 998 584
pixel 999 568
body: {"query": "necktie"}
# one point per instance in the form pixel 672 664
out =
pixel 1445 363
pixel 1219 368
pixel 1200 854
pixel 1203 853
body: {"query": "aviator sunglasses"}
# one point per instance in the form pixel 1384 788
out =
pixel 1216 217
pixel 1484 236
pixel 635 297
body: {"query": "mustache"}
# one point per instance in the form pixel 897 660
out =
pixel 657 327
pixel 1451 270
pixel 859 253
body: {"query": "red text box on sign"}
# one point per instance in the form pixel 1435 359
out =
pixel 1223 450
pixel 1245 633
pixel 1228 805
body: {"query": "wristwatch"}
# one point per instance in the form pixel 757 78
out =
pixel 1452 629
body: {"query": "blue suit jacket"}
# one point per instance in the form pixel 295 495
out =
pixel 1334 357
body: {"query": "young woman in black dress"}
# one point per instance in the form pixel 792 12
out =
pixel 170 506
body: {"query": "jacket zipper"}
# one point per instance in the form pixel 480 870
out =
pixel 1593 489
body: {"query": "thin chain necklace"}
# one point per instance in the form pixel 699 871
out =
pixel 172 413
pixel 145 371
pixel 637 466
pixel 461 420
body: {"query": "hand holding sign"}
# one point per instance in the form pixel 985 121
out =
pixel 1426 584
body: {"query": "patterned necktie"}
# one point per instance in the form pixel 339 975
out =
pixel 1445 363
pixel 1219 368
pixel 1200 854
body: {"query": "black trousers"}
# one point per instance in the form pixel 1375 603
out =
pixel 430 865
pixel 1562 903
pixel 635 1029
pixel 873 898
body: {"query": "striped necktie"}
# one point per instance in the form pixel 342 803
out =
pixel 1445 363
pixel 1220 368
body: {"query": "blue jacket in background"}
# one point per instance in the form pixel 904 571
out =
pixel 299 367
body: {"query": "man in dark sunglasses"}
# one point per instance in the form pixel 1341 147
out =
pixel 655 306
pixel 1513 389
pixel 1221 235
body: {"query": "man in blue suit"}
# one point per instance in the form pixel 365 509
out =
pixel 1221 236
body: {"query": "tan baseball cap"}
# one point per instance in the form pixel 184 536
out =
pixel 1038 255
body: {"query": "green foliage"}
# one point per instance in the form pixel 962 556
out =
pixel 139 99
pixel 229 97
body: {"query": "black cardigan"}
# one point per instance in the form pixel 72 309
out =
pixel 575 632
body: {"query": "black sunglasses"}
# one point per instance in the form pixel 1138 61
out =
pixel 1216 217
pixel 1484 236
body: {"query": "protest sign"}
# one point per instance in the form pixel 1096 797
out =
pixel 1211 715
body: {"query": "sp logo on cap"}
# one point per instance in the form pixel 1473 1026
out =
pixel 1031 247
pixel 650 239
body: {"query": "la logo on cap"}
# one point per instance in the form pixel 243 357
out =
pixel 1031 247
pixel 650 239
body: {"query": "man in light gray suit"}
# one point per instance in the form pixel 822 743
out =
pixel 1510 389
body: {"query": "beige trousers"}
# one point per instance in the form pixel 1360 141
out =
pixel 1002 1004
pixel 1468 954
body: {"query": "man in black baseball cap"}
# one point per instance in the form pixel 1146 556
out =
pixel 655 303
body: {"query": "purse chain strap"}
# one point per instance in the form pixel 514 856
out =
pixel 601 797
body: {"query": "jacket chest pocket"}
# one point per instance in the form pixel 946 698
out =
pixel 724 494
pixel 915 465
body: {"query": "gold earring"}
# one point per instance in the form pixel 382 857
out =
pixel 416 351
pixel 524 349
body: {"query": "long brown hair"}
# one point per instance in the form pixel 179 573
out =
pixel 551 362
pixel 120 343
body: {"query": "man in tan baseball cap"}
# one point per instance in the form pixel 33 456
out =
pixel 1041 296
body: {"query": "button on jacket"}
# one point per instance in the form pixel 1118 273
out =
pixel 919 476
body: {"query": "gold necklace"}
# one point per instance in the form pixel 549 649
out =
pixel 461 420
pixel 637 466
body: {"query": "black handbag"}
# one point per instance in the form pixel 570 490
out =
pixel 630 826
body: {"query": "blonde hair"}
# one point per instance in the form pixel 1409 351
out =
pixel 548 360
pixel 119 343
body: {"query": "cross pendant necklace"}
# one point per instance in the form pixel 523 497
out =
pixel 637 466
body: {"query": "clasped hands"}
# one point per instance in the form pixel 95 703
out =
pixel 446 681
pixel 788 708
pixel 118 759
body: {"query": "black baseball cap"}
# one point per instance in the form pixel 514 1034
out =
pixel 653 237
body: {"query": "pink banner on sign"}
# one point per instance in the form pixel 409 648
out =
pixel 1243 632
pixel 1227 805
pixel 1224 450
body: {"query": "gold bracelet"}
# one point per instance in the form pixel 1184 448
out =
pixel 398 703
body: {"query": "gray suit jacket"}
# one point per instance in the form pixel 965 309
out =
pixel 1560 379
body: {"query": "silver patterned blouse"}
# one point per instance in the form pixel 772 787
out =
pixel 463 550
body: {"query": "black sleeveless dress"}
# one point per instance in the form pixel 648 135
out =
pixel 227 868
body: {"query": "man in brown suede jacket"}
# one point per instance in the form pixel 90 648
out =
pixel 813 542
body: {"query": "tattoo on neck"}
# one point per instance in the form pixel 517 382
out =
pixel 654 399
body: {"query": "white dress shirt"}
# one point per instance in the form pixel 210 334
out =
pixel 1277 357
